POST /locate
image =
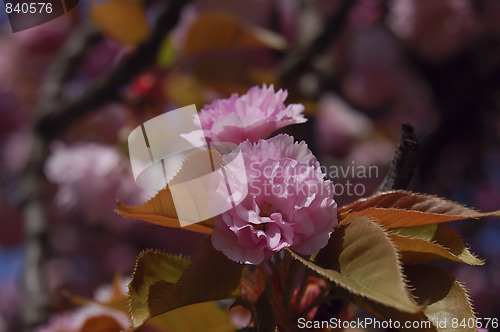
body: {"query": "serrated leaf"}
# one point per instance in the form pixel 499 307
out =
pixel 123 20
pixel 388 313
pixel 432 242
pixel 210 276
pixel 217 31
pixel 407 200
pixel 361 259
pixel 152 267
pixel 426 232
pixel 442 235
pixel 442 295
pixel 199 317
pixel 399 208
pixel 160 209
pixel 416 250
pixel 398 218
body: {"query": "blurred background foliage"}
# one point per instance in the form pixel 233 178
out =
pixel 361 68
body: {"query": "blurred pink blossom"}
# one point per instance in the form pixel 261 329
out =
pixel 435 28
pixel 366 13
pixel 373 152
pixel 339 126
pixel 256 114
pixel 240 316
pixel 373 68
pixel 179 34
pixel 91 177
pixel 14 152
pixel 289 12
pixel 289 204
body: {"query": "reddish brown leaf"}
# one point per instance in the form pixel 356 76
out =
pixel 397 218
pixel 405 200
pixel 444 298
pixel 160 209
pixel 395 209
pixel 440 235
pixel 211 276
pixel 418 250
pixel 361 259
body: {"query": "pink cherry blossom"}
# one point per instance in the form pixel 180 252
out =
pixel 289 204
pixel 436 29
pixel 256 114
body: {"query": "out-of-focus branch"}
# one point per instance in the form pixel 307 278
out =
pixel 54 116
pixel 403 163
pixel 36 304
pixel 61 117
pixel 64 66
pixel 298 61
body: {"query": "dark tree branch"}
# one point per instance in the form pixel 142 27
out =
pixel 54 116
pixel 298 61
pixel 64 66
pixel 403 163
pixel 51 124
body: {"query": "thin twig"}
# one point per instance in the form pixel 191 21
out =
pixel 54 116
pixel 403 163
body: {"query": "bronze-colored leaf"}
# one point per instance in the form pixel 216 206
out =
pixel 383 312
pixel 432 242
pixel 156 289
pixel 406 200
pixel 445 299
pixel 361 259
pixel 397 218
pixel 161 210
pixel 400 208
pixel 152 267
